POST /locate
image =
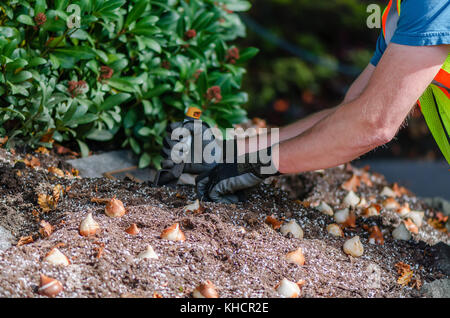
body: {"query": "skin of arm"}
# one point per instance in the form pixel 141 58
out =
pixel 290 131
pixel 353 92
pixel 369 119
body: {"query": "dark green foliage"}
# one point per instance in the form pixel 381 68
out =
pixel 129 69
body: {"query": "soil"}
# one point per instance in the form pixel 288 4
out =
pixel 228 244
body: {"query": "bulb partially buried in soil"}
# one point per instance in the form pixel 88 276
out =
pixel 296 257
pixel 115 208
pixel 288 289
pixel 55 257
pixel 89 226
pixel 354 247
pixel 49 287
pixel 173 233
pixel 205 290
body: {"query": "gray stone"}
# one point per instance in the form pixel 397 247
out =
pixel 439 288
pixel 441 253
pixel 6 239
pixel 95 166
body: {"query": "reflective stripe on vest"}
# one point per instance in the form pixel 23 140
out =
pixel 435 101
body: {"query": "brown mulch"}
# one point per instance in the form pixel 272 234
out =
pixel 228 244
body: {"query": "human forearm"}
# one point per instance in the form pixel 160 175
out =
pixel 338 138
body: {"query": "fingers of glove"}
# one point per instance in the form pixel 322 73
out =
pixel 202 182
pixel 232 185
pixel 228 199
pixel 167 164
pixel 171 127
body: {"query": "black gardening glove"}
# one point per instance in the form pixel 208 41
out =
pixel 224 183
pixel 193 128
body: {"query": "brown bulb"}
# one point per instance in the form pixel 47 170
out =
pixel 49 287
pixel 115 208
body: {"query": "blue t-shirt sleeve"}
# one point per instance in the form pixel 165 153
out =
pixel 379 50
pixel 421 23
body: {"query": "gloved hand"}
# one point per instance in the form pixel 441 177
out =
pixel 184 139
pixel 224 183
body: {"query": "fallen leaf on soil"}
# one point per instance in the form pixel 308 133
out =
pixel 273 222
pixel 100 200
pixel 99 249
pixel 58 192
pixel 56 171
pixel 352 184
pixel 42 150
pixel 32 162
pixel 46 229
pixel 411 226
pixel 61 150
pixel 376 236
pixel 3 141
pixel 438 225
pixel 25 240
pixel 46 202
pixel 405 273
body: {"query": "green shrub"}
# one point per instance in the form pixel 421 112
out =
pixel 125 71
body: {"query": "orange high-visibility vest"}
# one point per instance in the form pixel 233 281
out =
pixel 435 101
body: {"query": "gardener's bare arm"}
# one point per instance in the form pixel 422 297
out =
pixel 370 120
pixel 297 128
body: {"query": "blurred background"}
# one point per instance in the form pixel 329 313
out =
pixel 311 51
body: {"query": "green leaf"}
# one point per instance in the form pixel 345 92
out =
pixel 77 52
pixel 130 119
pixel 35 61
pixel 20 77
pixel 247 54
pixel 239 6
pixel 136 12
pixel 25 19
pixel 100 135
pixel 145 132
pixel 121 85
pixel 19 63
pixel 84 149
pixel 134 145
pixel 114 100
pixel 144 160
pixel 157 91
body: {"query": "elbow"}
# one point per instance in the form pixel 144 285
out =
pixel 379 134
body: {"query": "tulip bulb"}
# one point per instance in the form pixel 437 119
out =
pixel 114 208
pixel 401 233
pixel 149 253
pixel 293 228
pixel 205 290
pixel 194 207
pixel 173 233
pixel 89 226
pixel 416 217
pixel 354 247
pixel 391 204
pixel 403 210
pixel 388 192
pixel 335 230
pixel 325 209
pixel 49 287
pixel 373 210
pixel 288 289
pixel 55 257
pixel 295 257
pixel 351 199
pixel 411 226
pixel 133 229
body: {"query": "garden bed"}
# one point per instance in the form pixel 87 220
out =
pixel 230 245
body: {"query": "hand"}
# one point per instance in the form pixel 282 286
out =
pixel 193 129
pixel 224 183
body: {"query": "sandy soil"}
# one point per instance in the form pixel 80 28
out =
pixel 230 245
